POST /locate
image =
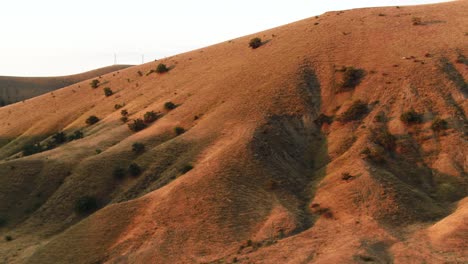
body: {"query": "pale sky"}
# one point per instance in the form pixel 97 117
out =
pixel 59 37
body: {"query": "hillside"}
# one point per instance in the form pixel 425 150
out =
pixel 341 139
pixel 15 89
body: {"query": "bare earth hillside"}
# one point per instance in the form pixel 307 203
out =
pixel 15 89
pixel 341 139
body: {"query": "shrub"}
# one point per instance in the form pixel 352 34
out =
pixel 179 130
pixel 117 106
pixel 439 125
pixel 416 21
pixel 86 205
pixel 124 112
pixel 118 173
pixel 169 105
pixel 108 92
pixel 137 125
pixel 92 120
pixel 124 119
pixel 162 68
pixel 140 73
pixel 411 116
pixel 94 83
pixel 255 43
pixel 352 77
pixel 59 138
pixel 323 119
pixel 186 168
pixel 134 169
pixel 150 117
pixel 31 149
pixel 385 139
pixel 8 238
pixel 355 112
pixel 374 154
pixel 138 148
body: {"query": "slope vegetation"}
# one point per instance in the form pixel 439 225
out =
pixel 341 139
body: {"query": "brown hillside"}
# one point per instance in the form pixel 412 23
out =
pixel 15 89
pixel 293 162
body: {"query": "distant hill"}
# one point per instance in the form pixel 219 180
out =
pixel 15 89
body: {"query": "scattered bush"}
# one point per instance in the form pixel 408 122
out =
pixel 416 21
pixel 118 106
pixel 134 169
pixel 162 68
pixel 108 92
pixel 86 205
pixel 255 43
pixel 352 77
pixel 76 135
pixel 8 238
pixel 124 119
pixel 169 105
pixel 150 117
pixel 138 148
pixel 383 138
pixel 186 168
pixel 59 138
pixel 376 155
pixel 179 130
pixel 31 149
pixel 94 83
pixel 118 173
pixel 439 125
pixel 92 120
pixel 410 117
pixel 124 112
pixel 137 125
pixel 355 112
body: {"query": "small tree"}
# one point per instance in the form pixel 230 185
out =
pixel 255 43
pixel 162 68
pixel 137 125
pixel 169 105
pixel 134 169
pixel 150 117
pixel 92 120
pixel 138 148
pixel 108 92
pixel 411 116
pixel 439 125
pixel 94 83
pixel 86 205
pixel 179 130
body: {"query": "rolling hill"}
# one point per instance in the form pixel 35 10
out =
pixel 15 89
pixel 341 139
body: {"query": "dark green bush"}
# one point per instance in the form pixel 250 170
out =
pixel 31 149
pixel 352 77
pixel 94 83
pixel 108 92
pixel 179 130
pixel 86 205
pixel 124 112
pixel 411 117
pixel 137 125
pixel 186 168
pixel 138 148
pixel 92 120
pixel 162 68
pixel 439 125
pixel 119 173
pixel 8 238
pixel 169 105
pixel 255 43
pixel 355 112
pixel 150 117
pixel 59 138
pixel 134 169
pixel 76 135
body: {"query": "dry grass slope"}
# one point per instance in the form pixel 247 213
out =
pixel 265 170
